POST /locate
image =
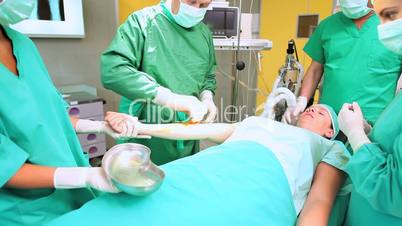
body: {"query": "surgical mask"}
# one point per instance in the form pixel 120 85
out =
pixel 354 9
pixel 188 16
pixel 14 11
pixel 390 34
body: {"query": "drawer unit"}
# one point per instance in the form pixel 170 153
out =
pixel 91 138
pixel 95 150
pixel 86 110
pixel 86 106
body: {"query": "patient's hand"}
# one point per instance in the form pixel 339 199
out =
pixel 128 126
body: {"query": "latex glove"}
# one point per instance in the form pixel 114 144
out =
pixel 89 126
pixel 82 177
pixel 291 114
pixel 128 125
pixel 207 98
pixel 367 127
pixel 189 104
pixel 351 123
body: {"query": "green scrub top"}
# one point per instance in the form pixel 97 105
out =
pixel 34 128
pixel 357 67
pixel 376 173
pixel 151 50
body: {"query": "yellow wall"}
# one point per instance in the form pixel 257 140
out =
pixel 126 7
pixel 278 23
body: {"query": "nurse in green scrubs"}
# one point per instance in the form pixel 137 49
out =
pixel 43 171
pixel 354 64
pixel 376 166
pixel 162 63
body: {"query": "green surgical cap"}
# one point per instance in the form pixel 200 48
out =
pixel 334 119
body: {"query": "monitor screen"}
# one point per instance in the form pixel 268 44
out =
pixel 221 19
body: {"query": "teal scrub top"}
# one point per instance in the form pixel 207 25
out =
pixel 34 128
pixel 151 50
pixel 376 173
pixel 357 67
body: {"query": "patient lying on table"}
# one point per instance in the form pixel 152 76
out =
pixel 263 173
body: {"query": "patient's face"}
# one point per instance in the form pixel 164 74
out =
pixel 316 119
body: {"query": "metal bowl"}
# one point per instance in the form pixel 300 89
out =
pixel 131 170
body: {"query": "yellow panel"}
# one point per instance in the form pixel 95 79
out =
pixel 278 23
pixel 127 7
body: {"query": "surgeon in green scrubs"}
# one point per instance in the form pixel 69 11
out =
pixel 354 64
pixel 43 171
pixel 162 63
pixel 376 166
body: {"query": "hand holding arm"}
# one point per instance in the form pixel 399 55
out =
pixel 90 126
pixel 217 132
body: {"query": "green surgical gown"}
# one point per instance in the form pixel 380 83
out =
pixel 151 50
pixel 376 173
pixel 34 128
pixel 357 67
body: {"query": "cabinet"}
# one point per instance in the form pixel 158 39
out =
pixel 86 106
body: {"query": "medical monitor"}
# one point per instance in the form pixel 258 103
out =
pixel 223 21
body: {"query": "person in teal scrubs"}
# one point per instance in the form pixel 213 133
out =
pixel 354 64
pixel 162 62
pixel 43 170
pixel 376 166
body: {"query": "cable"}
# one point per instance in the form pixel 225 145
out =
pixel 226 75
pixel 248 77
pixel 262 77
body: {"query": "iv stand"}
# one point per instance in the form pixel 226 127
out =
pixel 240 65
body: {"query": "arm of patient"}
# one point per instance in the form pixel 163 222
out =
pixel 216 132
pixel 317 208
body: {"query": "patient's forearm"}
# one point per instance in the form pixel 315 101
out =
pixel 216 132
pixel 32 176
pixel 317 208
pixel 315 213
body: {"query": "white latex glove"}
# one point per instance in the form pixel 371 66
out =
pixel 189 104
pixel 367 127
pixel 351 123
pixel 129 125
pixel 207 98
pixel 291 114
pixel 82 177
pixel 89 126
